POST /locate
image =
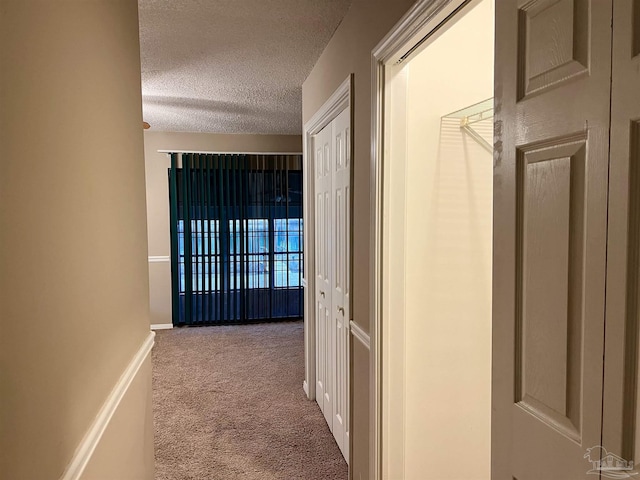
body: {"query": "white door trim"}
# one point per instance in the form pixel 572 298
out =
pixel 360 335
pixel 341 99
pixel 414 31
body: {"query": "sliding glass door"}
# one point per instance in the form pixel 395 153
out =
pixel 236 237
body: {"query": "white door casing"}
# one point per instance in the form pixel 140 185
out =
pixel 412 33
pixel 340 100
pixel 327 320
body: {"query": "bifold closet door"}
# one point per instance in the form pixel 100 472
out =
pixel 341 188
pixel 621 426
pixel 323 219
pixel 332 165
pixel 553 68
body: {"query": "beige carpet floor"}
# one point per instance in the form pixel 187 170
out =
pixel 228 404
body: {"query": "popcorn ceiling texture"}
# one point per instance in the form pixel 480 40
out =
pixel 231 66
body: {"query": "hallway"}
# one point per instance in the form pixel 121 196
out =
pixel 228 403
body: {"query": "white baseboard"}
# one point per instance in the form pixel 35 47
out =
pixel 92 438
pixel 161 326
pixel 305 387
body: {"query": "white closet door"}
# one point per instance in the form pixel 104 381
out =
pixel 332 165
pixel 340 313
pixel 324 339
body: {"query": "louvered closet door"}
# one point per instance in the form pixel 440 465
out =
pixel 550 218
pixel 323 231
pixel 340 314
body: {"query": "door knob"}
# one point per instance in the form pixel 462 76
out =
pixel 341 310
pixel 322 293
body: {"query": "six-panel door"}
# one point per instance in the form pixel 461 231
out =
pixel 332 164
pixel 553 69
pixel 324 280
pixel 341 187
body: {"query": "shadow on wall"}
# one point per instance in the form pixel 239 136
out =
pixel 461 202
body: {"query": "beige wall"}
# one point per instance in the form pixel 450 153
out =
pixel 156 165
pixel 73 247
pixel 349 51
pixel 449 187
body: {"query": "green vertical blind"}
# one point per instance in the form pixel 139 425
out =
pixel 236 238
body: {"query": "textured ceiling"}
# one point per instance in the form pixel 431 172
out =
pixel 231 66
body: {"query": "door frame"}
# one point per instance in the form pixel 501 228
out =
pixel 342 98
pixel 418 28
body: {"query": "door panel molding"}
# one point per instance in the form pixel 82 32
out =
pixel 567 38
pixel 548 381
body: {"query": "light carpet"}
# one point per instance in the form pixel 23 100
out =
pixel 228 403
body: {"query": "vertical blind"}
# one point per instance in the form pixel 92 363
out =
pixel 236 238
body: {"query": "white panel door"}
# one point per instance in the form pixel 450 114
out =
pixel 340 313
pixel 332 164
pixel 324 221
